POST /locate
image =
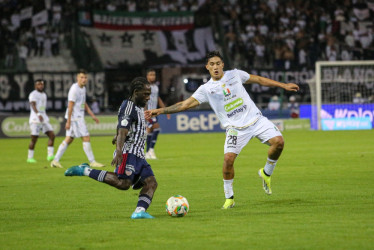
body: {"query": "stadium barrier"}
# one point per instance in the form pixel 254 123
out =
pixel 186 122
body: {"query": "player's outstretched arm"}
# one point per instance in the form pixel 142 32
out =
pixel 178 107
pixel 271 83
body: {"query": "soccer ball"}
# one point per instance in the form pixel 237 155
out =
pixel 177 206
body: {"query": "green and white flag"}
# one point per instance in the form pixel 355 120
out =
pixel 149 38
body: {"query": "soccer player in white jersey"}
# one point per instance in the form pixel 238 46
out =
pixel 153 127
pixel 75 125
pixel 238 114
pixel 39 121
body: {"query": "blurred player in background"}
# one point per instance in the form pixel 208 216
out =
pixel 75 123
pixel 39 121
pixel 131 167
pixel 238 114
pixel 153 128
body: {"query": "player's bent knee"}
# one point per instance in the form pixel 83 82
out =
pixel 123 184
pixel 279 143
pixel 151 183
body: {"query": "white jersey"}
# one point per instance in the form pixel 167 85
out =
pixel 229 99
pixel 40 98
pixel 153 99
pixel 78 96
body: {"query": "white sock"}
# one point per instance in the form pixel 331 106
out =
pixel 61 150
pixel 227 187
pixel 50 150
pixel 269 166
pixel 88 150
pixel 87 171
pixel 139 209
pixel 30 154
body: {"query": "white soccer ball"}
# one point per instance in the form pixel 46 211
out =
pixel 177 206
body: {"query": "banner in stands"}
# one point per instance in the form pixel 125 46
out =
pixel 15 89
pixel 150 38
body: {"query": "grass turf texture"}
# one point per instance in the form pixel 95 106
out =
pixel 323 192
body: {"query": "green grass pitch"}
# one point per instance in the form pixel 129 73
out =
pixel 323 196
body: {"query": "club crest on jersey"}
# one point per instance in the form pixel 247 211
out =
pixel 129 169
pixel 226 92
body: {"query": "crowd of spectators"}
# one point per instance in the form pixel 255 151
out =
pixel 31 28
pixel 277 34
pixel 143 5
pixel 284 34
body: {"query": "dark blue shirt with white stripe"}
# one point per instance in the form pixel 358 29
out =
pixel 131 117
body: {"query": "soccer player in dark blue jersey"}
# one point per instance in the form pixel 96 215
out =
pixel 131 167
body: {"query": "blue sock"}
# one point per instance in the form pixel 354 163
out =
pixel 144 201
pixel 149 139
pixel 154 137
pixel 98 175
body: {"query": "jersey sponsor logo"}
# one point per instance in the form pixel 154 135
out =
pixel 229 97
pixel 236 111
pixel 233 105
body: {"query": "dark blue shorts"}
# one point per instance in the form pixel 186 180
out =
pixel 132 167
pixel 152 121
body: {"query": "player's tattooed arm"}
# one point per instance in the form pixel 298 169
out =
pixel 173 108
pixel 181 106
pixel 178 107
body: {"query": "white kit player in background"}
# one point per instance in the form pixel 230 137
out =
pixel 238 114
pixel 75 123
pixel 153 127
pixel 39 121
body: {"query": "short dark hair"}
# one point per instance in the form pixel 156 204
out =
pixel 211 54
pixel 38 80
pixel 137 83
pixel 149 70
pixel 82 71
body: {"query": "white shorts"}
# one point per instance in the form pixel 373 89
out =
pixel 77 129
pixel 236 138
pixel 35 128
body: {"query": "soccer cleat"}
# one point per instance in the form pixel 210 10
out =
pixel 266 181
pixel 55 164
pixel 229 203
pixel 152 154
pixel 31 160
pixel 141 215
pixel 50 158
pixel 76 170
pixel 147 156
pixel 96 164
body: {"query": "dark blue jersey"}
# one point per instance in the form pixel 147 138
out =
pixel 131 117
